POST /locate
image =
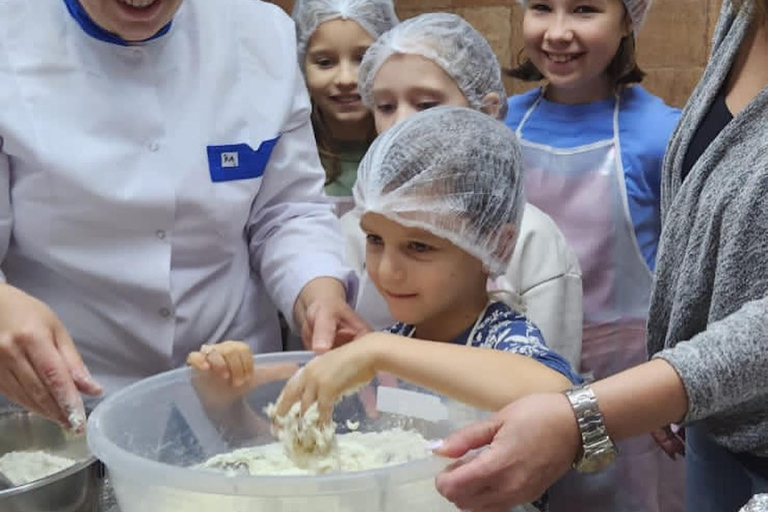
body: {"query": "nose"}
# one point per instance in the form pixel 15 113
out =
pixel 390 268
pixel 347 76
pixel 559 30
pixel 404 111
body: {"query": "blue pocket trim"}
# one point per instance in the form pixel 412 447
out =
pixel 231 162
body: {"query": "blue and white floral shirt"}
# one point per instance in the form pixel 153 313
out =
pixel 502 328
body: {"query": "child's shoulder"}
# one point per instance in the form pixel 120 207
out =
pixel 503 328
pixel 518 105
pixel 645 117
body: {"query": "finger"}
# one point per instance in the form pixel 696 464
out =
pixel 218 364
pixel 353 323
pixel 291 394
pixel 308 396
pixel 473 436
pixel 471 477
pixel 323 331
pixel 32 393
pixel 234 362
pixel 198 361
pixel 49 366
pixel 77 368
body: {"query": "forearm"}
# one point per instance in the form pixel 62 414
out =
pixel 641 399
pixel 485 378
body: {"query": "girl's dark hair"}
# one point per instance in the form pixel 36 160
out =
pixel 623 69
pixel 327 147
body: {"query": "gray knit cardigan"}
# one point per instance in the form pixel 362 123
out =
pixel 709 308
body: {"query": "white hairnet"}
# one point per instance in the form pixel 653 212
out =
pixel 448 41
pixel 375 16
pixel 452 171
pixel 637 9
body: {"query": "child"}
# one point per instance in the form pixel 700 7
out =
pixel 593 145
pixel 439 59
pixel 332 36
pixel 441 198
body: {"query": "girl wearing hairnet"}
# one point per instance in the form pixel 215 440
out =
pixel 159 188
pixel 332 36
pixel 593 143
pixel 439 59
pixel 441 197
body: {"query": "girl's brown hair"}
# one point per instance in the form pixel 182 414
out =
pixel 623 69
pixel 327 147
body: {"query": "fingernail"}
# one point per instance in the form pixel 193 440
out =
pixel 435 444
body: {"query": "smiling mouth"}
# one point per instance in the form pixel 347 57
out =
pixel 347 99
pixel 563 59
pixel 139 4
pixel 401 295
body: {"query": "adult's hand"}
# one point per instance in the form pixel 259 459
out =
pixel 531 443
pixel 325 318
pixel 671 439
pixel 40 367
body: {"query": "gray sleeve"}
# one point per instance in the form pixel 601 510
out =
pixel 6 210
pixel 725 365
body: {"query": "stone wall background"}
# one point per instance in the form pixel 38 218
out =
pixel 673 45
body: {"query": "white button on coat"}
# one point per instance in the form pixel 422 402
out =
pixel 79 191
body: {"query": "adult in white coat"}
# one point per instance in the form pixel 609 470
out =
pixel 159 188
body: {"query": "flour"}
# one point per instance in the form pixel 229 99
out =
pixel 24 467
pixel 355 451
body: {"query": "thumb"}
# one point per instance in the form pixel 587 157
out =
pixel 80 374
pixel 323 333
pixel 469 438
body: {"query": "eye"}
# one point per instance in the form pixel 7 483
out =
pixel 324 62
pixel 419 247
pixel 385 108
pixel 586 9
pixel 373 240
pixel 539 7
pixel 424 105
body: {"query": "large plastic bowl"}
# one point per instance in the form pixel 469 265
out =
pixel 152 434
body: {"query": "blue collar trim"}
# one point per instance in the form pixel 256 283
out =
pixel 92 29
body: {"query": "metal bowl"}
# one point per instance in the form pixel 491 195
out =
pixel 75 489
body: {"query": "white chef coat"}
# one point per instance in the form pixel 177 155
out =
pixel 543 281
pixel 108 208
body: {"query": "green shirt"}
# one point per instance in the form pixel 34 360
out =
pixel 350 154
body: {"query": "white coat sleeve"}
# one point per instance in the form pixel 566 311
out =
pixel 545 274
pixel 6 210
pixel 293 235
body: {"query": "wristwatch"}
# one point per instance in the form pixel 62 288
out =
pixel 597 449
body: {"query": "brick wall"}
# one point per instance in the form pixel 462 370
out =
pixel 673 46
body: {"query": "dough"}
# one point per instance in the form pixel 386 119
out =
pixel 355 451
pixel 24 467
pixel 303 436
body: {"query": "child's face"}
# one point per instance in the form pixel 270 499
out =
pixel 330 66
pixel 406 84
pixel 426 280
pixel 572 42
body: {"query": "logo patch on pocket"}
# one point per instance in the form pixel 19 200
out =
pixel 231 162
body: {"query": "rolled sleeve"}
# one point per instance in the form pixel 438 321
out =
pixel 724 366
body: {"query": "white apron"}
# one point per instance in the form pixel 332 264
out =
pixel 582 189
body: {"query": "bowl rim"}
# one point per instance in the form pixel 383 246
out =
pixel 115 457
pixel 54 477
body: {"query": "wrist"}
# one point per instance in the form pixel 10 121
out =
pixel 597 448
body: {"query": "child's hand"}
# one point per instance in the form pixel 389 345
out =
pixel 327 377
pixel 231 361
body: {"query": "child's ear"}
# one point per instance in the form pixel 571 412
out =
pixel 491 105
pixel 627 26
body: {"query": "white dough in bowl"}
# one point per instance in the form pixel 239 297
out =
pixel 355 451
pixel 23 467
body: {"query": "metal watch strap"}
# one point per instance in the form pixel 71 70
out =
pixel 598 449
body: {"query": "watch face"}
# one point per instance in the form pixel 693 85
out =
pixel 596 461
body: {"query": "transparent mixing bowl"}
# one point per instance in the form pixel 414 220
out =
pixel 152 434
